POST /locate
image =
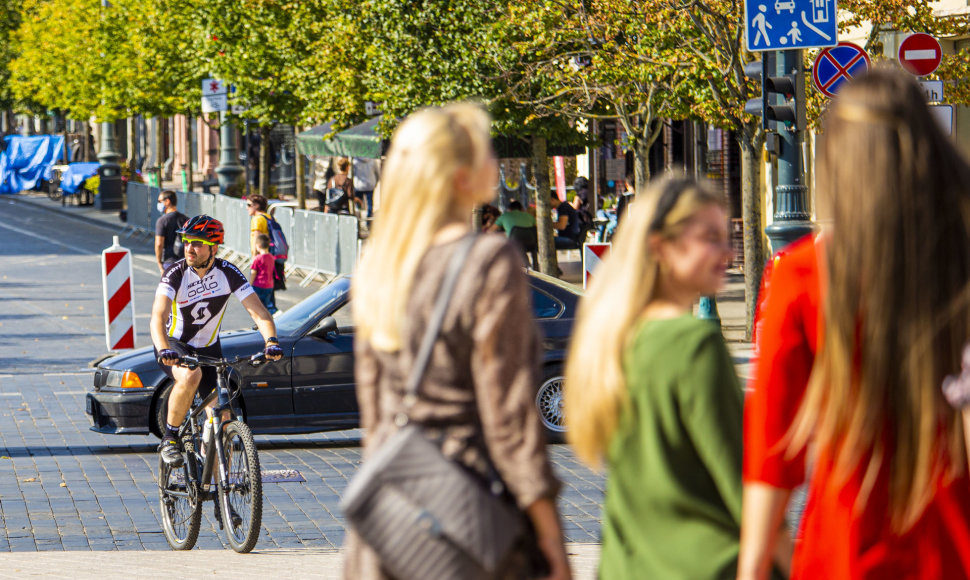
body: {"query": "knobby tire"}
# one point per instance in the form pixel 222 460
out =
pixel 244 490
pixel 181 520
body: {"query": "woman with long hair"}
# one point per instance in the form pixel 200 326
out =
pixel 889 492
pixel 652 392
pixel 480 384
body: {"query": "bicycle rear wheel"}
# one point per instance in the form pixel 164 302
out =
pixel 241 500
pixel 181 509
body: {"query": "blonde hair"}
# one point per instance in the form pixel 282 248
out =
pixel 418 197
pixel 625 283
pixel 897 306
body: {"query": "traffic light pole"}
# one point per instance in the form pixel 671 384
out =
pixel 791 219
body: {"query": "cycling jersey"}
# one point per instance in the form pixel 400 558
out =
pixel 198 304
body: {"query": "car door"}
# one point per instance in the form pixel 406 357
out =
pixel 323 375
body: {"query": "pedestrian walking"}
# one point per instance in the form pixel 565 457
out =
pixel 340 192
pixel 367 172
pixel 263 273
pixel 652 392
pixel 889 490
pixel 476 397
pixel 168 245
pixel 322 172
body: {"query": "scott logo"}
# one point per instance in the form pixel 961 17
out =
pixel 201 314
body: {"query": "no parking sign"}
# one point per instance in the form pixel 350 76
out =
pixel 838 64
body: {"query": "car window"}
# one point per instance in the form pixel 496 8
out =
pixel 288 323
pixel 345 319
pixel 544 305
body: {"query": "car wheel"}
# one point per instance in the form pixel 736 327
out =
pixel 549 403
pixel 160 411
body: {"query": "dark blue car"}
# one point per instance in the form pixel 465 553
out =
pixel 312 388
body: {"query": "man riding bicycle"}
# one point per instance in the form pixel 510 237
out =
pixel 190 301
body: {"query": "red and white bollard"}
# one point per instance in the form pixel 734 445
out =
pixel 593 254
pixel 119 307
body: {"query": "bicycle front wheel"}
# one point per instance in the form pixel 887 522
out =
pixel 181 509
pixel 241 498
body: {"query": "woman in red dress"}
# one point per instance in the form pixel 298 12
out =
pixel 889 486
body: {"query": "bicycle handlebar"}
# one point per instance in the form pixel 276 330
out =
pixel 195 361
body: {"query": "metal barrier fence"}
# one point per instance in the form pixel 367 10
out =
pixel 319 243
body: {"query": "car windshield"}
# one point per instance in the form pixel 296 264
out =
pixel 313 307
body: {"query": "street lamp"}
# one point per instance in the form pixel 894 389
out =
pixel 108 156
pixel 229 170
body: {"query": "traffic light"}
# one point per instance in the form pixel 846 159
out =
pixel 782 98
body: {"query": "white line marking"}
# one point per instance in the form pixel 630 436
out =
pixel 920 54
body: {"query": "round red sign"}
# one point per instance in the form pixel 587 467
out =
pixel 920 54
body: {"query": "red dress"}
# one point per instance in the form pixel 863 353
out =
pixel 836 540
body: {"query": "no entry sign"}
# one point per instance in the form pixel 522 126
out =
pixel 920 54
pixel 838 64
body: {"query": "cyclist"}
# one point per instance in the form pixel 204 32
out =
pixel 189 304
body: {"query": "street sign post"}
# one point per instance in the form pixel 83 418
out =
pixel 838 64
pixel 920 54
pixel 789 24
pixel 215 96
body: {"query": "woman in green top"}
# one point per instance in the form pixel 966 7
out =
pixel 652 392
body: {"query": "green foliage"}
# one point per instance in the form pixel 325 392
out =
pixel 9 21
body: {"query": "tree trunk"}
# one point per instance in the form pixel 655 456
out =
pixel 264 146
pixel 188 152
pixel 547 246
pixel 130 138
pixel 754 248
pixel 641 164
pixel 159 145
pixel 299 162
pixel 86 144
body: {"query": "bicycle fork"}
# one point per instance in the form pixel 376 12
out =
pixel 214 448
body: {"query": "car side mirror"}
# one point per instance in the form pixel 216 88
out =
pixel 327 328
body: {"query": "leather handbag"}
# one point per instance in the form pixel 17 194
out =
pixel 422 513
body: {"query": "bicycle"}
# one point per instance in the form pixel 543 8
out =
pixel 222 469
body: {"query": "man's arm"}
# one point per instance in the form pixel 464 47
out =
pixel 160 309
pixel 261 316
pixel 159 249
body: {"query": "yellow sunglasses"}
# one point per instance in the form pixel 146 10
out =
pixel 196 243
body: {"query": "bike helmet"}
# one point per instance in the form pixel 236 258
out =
pixel 203 227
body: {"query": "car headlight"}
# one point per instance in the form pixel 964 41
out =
pixel 124 380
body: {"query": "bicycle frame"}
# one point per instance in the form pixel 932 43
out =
pixel 214 449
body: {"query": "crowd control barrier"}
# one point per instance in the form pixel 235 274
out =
pixel 320 243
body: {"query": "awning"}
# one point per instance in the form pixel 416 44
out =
pixel 358 141
pixel 364 141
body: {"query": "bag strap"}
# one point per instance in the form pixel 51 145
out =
pixel 437 319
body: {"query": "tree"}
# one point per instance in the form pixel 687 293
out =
pixel 431 52
pixel 9 21
pixel 717 58
pixel 603 59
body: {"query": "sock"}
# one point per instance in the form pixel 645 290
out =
pixel 171 431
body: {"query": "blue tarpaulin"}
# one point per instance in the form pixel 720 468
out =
pixel 27 160
pixel 75 174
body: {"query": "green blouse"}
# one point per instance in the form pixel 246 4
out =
pixel 673 495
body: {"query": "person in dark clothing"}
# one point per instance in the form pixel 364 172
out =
pixel 166 251
pixel 567 224
pixel 581 185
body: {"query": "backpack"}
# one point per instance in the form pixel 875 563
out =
pixel 177 247
pixel 278 246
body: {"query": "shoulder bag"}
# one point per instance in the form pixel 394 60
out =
pixel 423 514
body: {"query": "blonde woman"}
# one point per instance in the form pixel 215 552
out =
pixel 652 392
pixel 479 387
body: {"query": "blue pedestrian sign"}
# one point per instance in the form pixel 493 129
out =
pixel 789 24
